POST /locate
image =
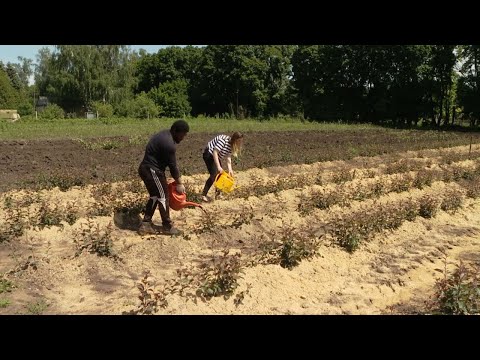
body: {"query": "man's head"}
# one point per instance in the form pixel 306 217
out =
pixel 179 129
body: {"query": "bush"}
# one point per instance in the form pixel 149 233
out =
pixel 458 294
pixel 172 98
pixel 25 108
pixel 141 107
pixel 52 111
pixel 103 110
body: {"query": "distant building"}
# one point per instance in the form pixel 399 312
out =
pixel 42 103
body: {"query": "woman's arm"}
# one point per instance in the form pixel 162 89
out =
pixel 217 161
pixel 229 165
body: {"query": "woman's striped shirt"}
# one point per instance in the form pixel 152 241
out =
pixel 222 144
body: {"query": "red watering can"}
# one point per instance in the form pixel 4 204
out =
pixel 179 201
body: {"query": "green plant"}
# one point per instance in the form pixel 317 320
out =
pixel 141 107
pixel 451 201
pixel 191 194
pixel 150 298
pixel 288 247
pixel 351 241
pixel 28 198
pixel 245 216
pixel 207 224
pixel 103 110
pixel 318 179
pixel 14 225
pixel 370 173
pixel 137 140
pixel 220 277
pixel 238 300
pixel 135 186
pixel 458 173
pixel 8 202
pixel 37 308
pixel 110 144
pixel 473 188
pixel 105 144
pixel 6 286
pixel 378 189
pixel 458 294
pixel 343 176
pixel 400 166
pixel 422 179
pixel 105 201
pixel 63 182
pixel 71 215
pixel 171 97
pixel 359 193
pixel 217 277
pixel 101 209
pixel 94 239
pixel 306 205
pixel 4 303
pixel 347 229
pixel 401 183
pixel 52 111
pixel 428 206
pixel 49 215
pixel 131 205
pixel 101 190
pixel 292 252
pixel 409 210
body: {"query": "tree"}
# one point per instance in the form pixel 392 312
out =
pixel 469 82
pixel 75 75
pixel 172 98
pixel 169 64
pixel 232 81
pixel 8 94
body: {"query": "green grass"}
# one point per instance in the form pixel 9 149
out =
pixel 36 308
pixel 4 303
pixel 29 128
pixel 5 286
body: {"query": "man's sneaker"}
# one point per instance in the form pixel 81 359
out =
pixel 172 231
pixel 218 196
pixel 146 228
pixel 206 199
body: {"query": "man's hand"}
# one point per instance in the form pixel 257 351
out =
pixel 180 188
pixel 220 169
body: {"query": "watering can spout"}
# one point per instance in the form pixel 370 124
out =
pixel 190 203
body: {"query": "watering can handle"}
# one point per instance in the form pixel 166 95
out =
pixel 218 175
pixel 226 174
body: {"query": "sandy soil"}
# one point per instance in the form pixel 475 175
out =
pixel 392 273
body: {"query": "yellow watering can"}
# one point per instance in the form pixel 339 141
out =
pixel 224 182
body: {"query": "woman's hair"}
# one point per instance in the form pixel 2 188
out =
pixel 236 143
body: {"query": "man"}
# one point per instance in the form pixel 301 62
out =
pixel 160 153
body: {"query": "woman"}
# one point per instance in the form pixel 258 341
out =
pixel 221 147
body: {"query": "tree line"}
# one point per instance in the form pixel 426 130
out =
pixel 399 84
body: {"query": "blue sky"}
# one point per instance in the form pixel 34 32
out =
pixel 10 53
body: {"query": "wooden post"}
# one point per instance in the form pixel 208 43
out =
pixel 470 150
